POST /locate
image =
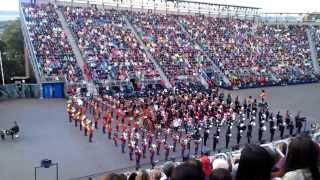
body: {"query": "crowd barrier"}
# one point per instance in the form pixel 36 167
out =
pixel 314 132
pixel 44 90
pixel 13 91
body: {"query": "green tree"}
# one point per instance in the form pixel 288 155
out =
pixel 12 48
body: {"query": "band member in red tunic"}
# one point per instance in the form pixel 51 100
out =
pixel 123 142
pixel 144 147
pixel 109 129
pixel 196 146
pixel 159 142
pixel 167 148
pixel 115 138
pixel 90 130
pixel 138 157
pixel 130 148
pixel 152 150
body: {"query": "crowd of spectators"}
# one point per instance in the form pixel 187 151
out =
pixel 287 50
pixel 297 161
pixel 252 54
pixel 108 45
pixel 316 36
pixel 52 49
pixel 171 46
pixel 186 47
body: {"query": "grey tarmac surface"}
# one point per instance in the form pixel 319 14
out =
pixel 46 133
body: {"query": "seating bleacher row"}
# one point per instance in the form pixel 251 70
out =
pixel 52 49
pixel 173 48
pixel 108 45
pixel 316 37
pixel 248 53
pixel 251 54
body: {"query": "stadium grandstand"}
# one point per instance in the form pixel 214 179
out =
pixel 177 89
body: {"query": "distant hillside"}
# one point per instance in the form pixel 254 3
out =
pixel 3 25
pixel 8 15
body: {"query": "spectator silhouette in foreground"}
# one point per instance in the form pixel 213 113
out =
pixel 189 170
pixel 302 160
pixel 255 164
pixel 220 174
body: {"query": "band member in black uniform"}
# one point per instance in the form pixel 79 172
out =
pixel 237 104
pixel 287 119
pixel 239 135
pixel 215 141
pixel 228 136
pixel 205 136
pixel 229 100
pixel 272 127
pixel 291 127
pixel 281 129
pixel 262 128
pixel 248 111
pixel 241 127
pixel 279 119
pixel 249 131
pixel 299 122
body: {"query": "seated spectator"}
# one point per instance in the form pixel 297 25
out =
pixel 220 174
pixel 206 165
pixel 302 160
pixel 255 164
pixel 189 170
pixel 52 49
pixel 132 176
pixel 143 175
pixel 167 168
pixel 113 176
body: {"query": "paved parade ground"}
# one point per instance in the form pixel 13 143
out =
pixel 46 133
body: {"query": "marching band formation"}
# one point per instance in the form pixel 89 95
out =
pixel 170 121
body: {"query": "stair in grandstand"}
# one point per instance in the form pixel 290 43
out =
pixel 216 69
pixel 163 76
pixel 90 85
pixel 30 50
pixel 313 51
